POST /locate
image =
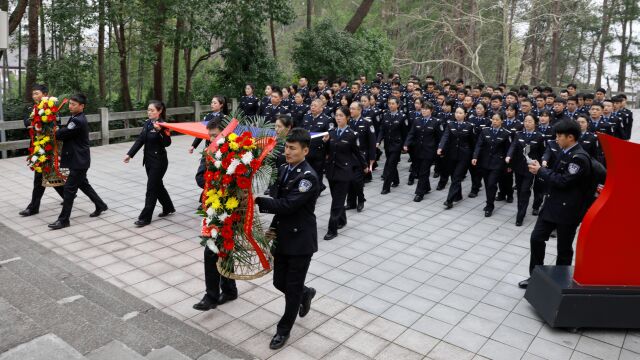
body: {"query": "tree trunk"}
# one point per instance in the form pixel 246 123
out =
pixel 273 37
pixel 309 13
pixel 125 95
pixel 604 38
pixel 140 82
pixel 43 45
pixel 32 48
pixel 358 16
pixel 577 64
pixel 590 60
pixel 512 13
pixel 102 88
pixel 187 70
pixel 552 77
pixel 625 42
pixel 16 15
pixel 176 62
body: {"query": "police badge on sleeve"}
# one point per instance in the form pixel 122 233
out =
pixel 304 185
pixel 71 125
pixel 573 168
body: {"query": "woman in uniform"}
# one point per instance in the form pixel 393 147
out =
pixel 479 121
pixel 344 159
pixel 249 104
pixel 154 139
pixel 218 109
pixel 456 146
pixel 392 130
pixel 516 158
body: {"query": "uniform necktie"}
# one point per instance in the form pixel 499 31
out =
pixel 339 133
pixel 289 170
pixel 495 132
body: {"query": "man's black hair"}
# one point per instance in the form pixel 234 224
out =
pixel 300 136
pixel 40 87
pixel 568 127
pixel 80 98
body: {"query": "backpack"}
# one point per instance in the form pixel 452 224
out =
pixel 597 177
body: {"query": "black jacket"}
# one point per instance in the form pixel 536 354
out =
pixel 424 137
pixel 297 113
pixel 154 142
pixel 602 126
pixel 590 144
pixel 491 150
pixel 458 141
pixel 514 127
pixel 516 151
pixel 271 112
pixel 392 131
pixel 293 204
pixel 320 123
pixel 344 159
pixel 250 105
pixel 75 152
pixel 567 185
pixel 196 142
pixel 366 137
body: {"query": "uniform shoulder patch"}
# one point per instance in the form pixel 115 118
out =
pixel 372 129
pixel 573 168
pixel 304 185
pixel 71 125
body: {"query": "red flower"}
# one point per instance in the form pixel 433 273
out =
pixel 247 142
pixel 255 164
pixel 228 244
pixel 31 150
pixel 227 179
pixel 48 147
pixel 241 169
pixel 208 176
pixel 46 169
pixel 243 182
pixel 247 134
pixel 54 109
pixel 234 217
pixel 226 162
pixel 222 254
pixel 227 233
pixel 224 148
pixel 216 176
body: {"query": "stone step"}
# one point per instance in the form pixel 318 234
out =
pixel 46 347
pixel 166 353
pixel 215 355
pixel 114 350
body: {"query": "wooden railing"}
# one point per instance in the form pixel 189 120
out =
pixel 105 118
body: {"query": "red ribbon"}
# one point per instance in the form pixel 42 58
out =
pixel 56 163
pixel 267 146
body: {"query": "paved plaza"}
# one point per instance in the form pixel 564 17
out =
pixel 403 280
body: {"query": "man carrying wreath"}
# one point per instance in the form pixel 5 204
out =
pixel 294 200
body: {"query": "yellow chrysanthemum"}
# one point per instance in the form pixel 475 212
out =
pixel 234 146
pixel 36 148
pixel 47 112
pixel 38 169
pixel 42 158
pixel 220 193
pixel 232 203
pixel 44 118
pixel 51 103
pixel 45 139
pixel 41 105
pixel 233 137
pixel 211 197
pixel 216 204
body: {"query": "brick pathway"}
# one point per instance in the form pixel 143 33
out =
pixel 403 280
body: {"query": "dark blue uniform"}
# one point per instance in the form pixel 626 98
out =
pixel 317 149
pixel 490 152
pixel 156 163
pixel 367 145
pixel 457 145
pixel 294 203
pixel 76 157
pixel 479 124
pixel 423 137
pixel 392 132
pixel 524 178
pixel 250 105
pixel 505 185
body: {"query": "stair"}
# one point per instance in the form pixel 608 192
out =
pixel 48 302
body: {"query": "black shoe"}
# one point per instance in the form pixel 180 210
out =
pixel 224 298
pixel 323 187
pixel 440 187
pixel 518 222
pixel 535 212
pixel 98 212
pixel 509 199
pixel 500 197
pixel 27 212
pixel 329 236
pixel 524 283
pixel 410 182
pixel 448 204
pixel 166 213
pixel 205 304
pixel 394 184
pixel 58 225
pixel 278 341
pixel 350 207
pixel 473 194
pixel 141 223
pixel 341 226
pixel 305 306
pixel 366 181
pixel 360 206
pixel 488 213
pixel 436 175
pixel 459 198
pixel 385 191
pixel 418 198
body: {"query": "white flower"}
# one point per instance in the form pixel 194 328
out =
pixel 34 158
pixel 41 112
pixel 210 211
pixel 217 164
pixel 220 141
pixel 223 216
pixel 218 155
pixel 247 157
pixel 232 167
pixel 41 151
pixel 45 99
pixel 54 99
pixel 212 245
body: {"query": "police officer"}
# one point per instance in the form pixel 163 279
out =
pixel 249 104
pixel 219 289
pixel 367 145
pixel 480 122
pixel 316 121
pixel 568 186
pixel 38 91
pixel 155 140
pixel 588 140
pixel 294 223
pixel 489 154
pixel 423 137
pixel 275 108
pixel 505 184
pixel 214 127
pixel 559 112
pixel 530 139
pixel 626 115
pixel 392 130
pixel 217 110
pixel 344 162
pixel 76 157
pixel 298 109
pixel 457 145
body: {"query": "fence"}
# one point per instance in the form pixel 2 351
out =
pixel 105 118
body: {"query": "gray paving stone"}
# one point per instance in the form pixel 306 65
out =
pixel 15 327
pixel 114 350
pixel 46 347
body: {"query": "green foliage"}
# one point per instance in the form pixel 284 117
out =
pixel 324 50
pixel 67 75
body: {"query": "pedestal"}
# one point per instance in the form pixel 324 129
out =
pixel 562 302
